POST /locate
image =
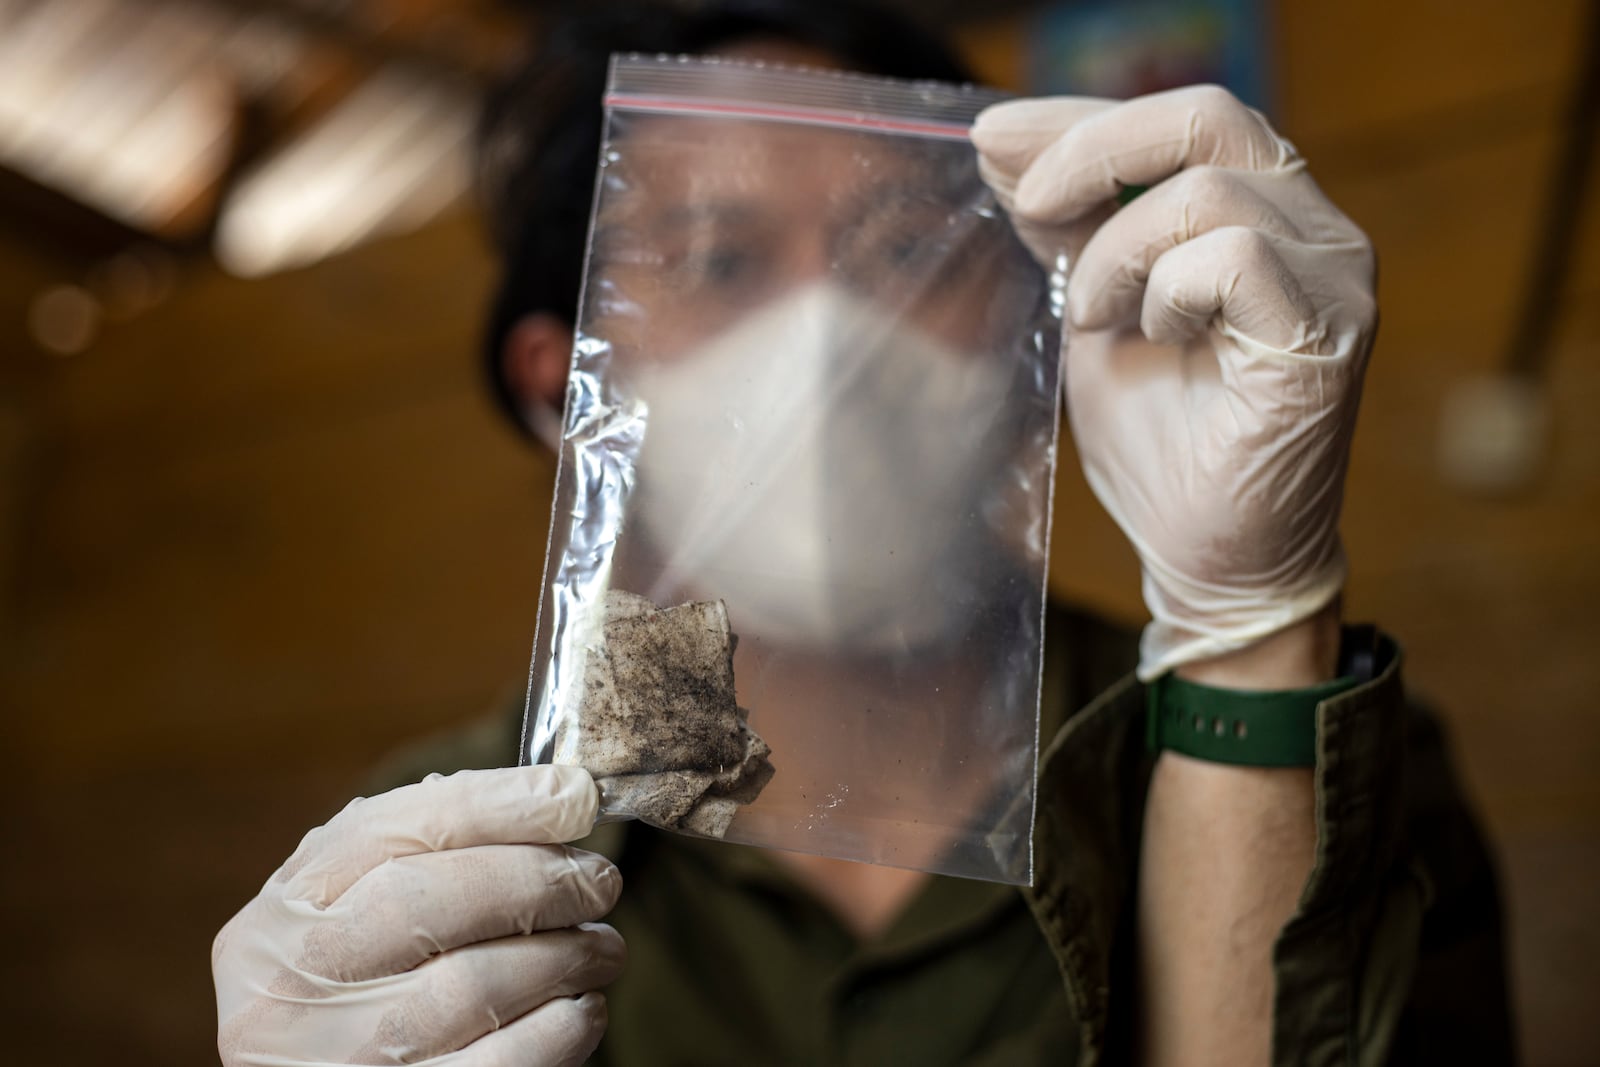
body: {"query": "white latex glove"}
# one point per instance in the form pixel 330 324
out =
pixel 436 924
pixel 1217 330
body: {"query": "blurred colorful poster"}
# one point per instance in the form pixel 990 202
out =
pixel 1122 48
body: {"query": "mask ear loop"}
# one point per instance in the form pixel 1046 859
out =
pixel 545 423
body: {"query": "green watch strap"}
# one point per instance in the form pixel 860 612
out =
pixel 1129 193
pixel 1252 728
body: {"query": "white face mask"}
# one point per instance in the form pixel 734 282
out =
pixel 817 466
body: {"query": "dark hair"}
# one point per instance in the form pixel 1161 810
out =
pixel 539 136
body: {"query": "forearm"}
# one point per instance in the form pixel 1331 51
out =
pixel 1226 851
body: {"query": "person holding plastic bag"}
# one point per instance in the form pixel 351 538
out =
pixel 1247 847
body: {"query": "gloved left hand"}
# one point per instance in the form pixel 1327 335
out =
pixel 1218 327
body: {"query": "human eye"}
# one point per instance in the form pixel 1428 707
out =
pixel 721 264
pixel 907 248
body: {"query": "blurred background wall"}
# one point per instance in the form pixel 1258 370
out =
pixel 259 526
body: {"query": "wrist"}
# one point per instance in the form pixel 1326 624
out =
pixel 1295 657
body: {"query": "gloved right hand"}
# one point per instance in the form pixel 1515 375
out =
pixel 442 924
pixel 1217 331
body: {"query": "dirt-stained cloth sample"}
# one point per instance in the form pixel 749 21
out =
pixel 658 724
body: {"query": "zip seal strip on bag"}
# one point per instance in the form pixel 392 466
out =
pixel 678 85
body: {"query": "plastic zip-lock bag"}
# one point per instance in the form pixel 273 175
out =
pixel 794 593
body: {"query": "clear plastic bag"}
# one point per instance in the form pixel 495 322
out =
pixel 794 591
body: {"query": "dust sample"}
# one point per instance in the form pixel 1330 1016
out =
pixel 658 724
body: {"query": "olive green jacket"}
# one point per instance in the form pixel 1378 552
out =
pixel 1394 955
